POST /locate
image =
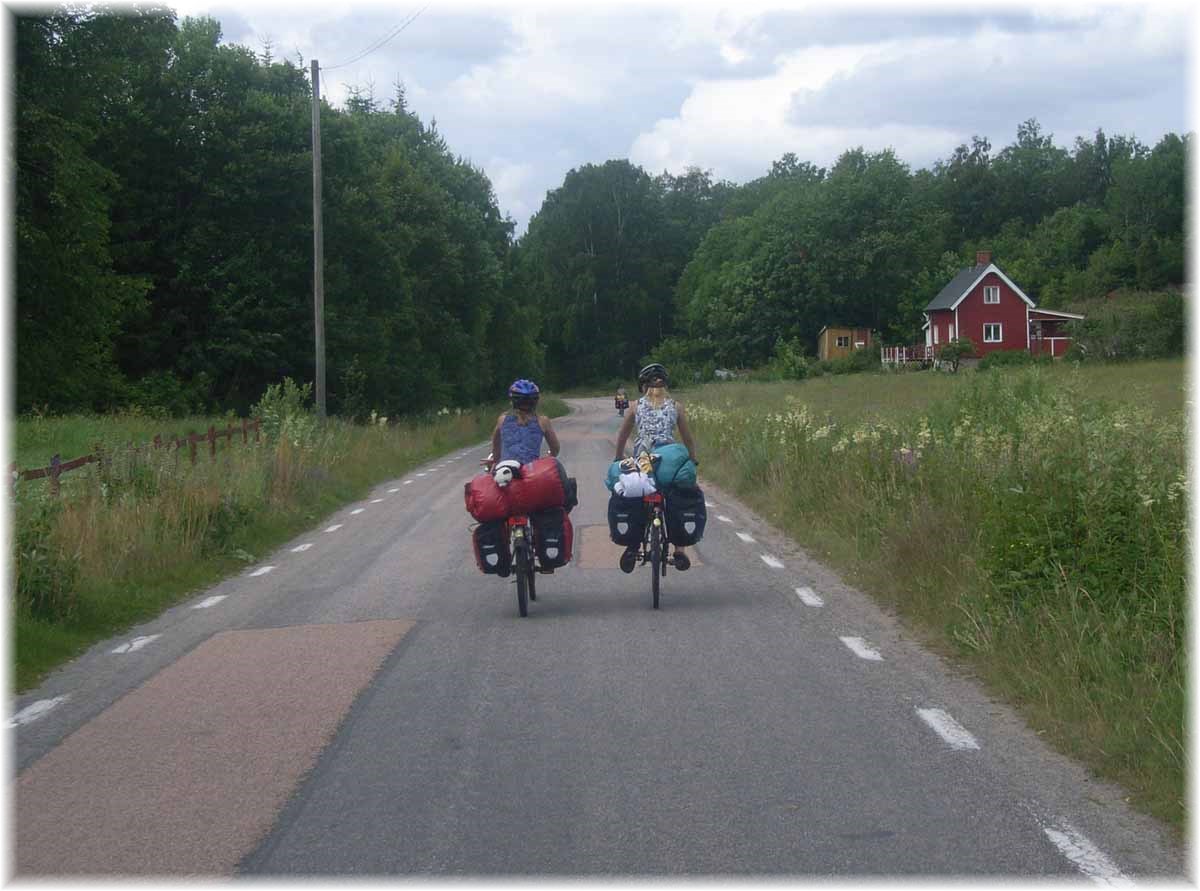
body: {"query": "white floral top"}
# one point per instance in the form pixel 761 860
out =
pixel 655 426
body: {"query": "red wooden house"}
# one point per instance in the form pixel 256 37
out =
pixel 983 304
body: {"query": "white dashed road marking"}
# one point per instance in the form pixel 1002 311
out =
pixel 723 518
pixel 947 728
pixel 809 597
pixel 375 500
pixel 304 547
pixel 335 527
pixel 859 648
pixel 773 562
pixel 262 570
pixel 35 710
pixel 1090 860
pixel 748 539
pixel 393 491
pixel 422 474
pixel 357 510
pixel 407 482
pixel 210 601
pixel 136 644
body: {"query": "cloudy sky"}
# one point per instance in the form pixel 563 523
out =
pixel 528 91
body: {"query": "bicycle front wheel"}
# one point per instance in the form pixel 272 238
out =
pixel 656 557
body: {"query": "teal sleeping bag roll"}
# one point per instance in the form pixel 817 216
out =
pixel 676 467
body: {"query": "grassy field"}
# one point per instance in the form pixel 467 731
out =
pixel 1030 522
pixel 126 540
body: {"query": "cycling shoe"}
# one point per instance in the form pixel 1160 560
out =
pixel 681 562
pixel 629 560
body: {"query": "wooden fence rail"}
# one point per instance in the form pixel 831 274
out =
pixel 58 467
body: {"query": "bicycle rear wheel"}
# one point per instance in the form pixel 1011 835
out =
pixel 521 561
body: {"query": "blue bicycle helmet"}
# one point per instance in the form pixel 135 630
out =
pixel 523 393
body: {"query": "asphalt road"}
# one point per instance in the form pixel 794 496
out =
pixel 372 705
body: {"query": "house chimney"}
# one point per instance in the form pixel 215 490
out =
pixel 983 258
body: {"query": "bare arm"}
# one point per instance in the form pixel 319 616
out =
pixel 551 436
pixel 496 440
pixel 623 435
pixel 685 432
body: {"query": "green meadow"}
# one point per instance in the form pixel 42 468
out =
pixel 1029 521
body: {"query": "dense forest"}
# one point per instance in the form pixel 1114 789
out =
pixel 164 237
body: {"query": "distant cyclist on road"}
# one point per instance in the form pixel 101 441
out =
pixel 518 434
pixel 656 416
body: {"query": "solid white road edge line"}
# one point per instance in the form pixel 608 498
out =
pixel 262 570
pixel 860 648
pixel 35 710
pixel 335 527
pixel 947 728
pixel 304 547
pixel 773 562
pixel 746 537
pixel 809 597
pixel 210 601
pixel 136 644
pixel 1089 859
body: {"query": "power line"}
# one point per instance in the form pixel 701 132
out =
pixel 378 43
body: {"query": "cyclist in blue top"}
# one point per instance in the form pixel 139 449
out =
pixel 518 435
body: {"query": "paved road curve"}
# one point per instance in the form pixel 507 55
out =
pixel 364 702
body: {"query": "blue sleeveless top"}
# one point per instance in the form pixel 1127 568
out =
pixel 520 442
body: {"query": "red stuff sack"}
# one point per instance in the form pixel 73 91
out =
pixel 543 484
pixel 485 500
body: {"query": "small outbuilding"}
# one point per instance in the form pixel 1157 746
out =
pixel 835 341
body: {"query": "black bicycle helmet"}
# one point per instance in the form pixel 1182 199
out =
pixel 651 371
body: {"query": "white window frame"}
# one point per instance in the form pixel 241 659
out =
pixel 840 338
pixel 991 291
pixel 949 331
pixel 935 333
pixel 999 338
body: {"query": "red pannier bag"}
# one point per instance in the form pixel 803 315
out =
pixel 542 484
pixel 485 500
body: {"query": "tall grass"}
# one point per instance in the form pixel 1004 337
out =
pixel 139 532
pixel 1030 520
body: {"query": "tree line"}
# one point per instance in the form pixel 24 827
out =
pixel 698 272
pixel 164 231
pixel 164 237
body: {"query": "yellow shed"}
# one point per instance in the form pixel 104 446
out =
pixel 835 341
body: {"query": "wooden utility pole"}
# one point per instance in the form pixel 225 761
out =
pixel 318 241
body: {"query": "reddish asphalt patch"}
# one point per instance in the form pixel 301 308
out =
pixel 186 774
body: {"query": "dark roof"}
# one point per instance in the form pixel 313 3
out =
pixel 954 289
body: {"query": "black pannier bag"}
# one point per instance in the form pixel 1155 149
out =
pixel 553 537
pixel 572 490
pixel 492 554
pixel 686 515
pixel 626 520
